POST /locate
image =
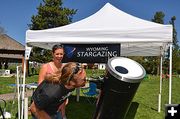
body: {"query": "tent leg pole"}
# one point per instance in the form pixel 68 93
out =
pixel 77 94
pixel 159 103
pixel 23 90
pixel 26 108
pixel 23 86
pixel 170 74
pixel 160 87
pixel 18 69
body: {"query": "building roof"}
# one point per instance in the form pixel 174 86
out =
pixel 10 49
pixel 8 43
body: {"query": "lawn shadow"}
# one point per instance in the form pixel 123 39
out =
pixel 132 110
pixel 82 109
pixel 85 110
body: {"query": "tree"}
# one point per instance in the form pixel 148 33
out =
pixel 159 17
pixel 51 14
pixel 176 50
pixel 2 31
pixel 151 63
pixel 175 41
pixel 155 61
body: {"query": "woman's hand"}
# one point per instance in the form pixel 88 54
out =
pixel 62 107
pixel 80 78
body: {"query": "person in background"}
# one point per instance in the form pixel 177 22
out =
pixel 54 66
pixel 32 68
pixel 6 65
pixel 0 65
pixel 54 89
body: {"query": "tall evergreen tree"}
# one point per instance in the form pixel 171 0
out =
pixel 175 40
pixel 51 14
pixel 151 63
pixel 176 50
pixel 155 61
pixel 159 17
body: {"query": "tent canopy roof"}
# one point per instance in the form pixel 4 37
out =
pixel 109 25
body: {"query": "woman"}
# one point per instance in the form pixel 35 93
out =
pixel 55 89
pixel 54 66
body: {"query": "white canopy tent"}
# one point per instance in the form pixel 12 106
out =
pixel 109 25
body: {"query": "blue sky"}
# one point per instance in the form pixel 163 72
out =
pixel 16 14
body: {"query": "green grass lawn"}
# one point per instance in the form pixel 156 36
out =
pixel 144 104
pixel 5 81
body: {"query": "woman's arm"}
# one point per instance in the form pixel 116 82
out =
pixel 42 73
pixel 62 107
pixel 40 114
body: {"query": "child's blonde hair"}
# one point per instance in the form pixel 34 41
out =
pixel 62 76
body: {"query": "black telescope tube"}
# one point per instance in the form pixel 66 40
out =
pixel 116 95
pixel 115 99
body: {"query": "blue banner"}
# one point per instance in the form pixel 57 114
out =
pixel 90 53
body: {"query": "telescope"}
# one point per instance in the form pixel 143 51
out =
pixel 118 88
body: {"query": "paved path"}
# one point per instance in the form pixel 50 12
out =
pixel 11 96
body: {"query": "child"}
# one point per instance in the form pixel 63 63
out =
pixel 54 90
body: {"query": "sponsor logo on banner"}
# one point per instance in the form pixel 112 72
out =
pixel 90 53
